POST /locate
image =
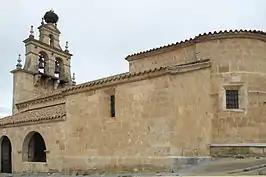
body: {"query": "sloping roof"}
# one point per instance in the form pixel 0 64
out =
pixel 124 77
pixel 115 78
pixel 129 75
pixel 196 38
pixel 56 112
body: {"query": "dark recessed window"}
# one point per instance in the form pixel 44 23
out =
pixel 232 99
pixel 112 105
pixel 51 40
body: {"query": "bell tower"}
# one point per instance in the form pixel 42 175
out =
pixel 47 65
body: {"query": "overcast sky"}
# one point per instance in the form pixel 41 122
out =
pixel 102 32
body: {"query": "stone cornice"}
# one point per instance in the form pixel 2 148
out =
pixel 193 66
pixel 17 70
pixel 119 79
pixel 57 118
pixel 22 70
pixel 251 34
pixel 32 73
pixel 47 47
pixel 43 98
pixel 132 77
pixel 55 29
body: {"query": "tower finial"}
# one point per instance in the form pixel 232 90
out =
pixel 31 31
pixel 42 23
pixel 19 65
pixel 66 47
pixel 74 79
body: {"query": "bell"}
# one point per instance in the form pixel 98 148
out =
pixel 41 65
pixel 57 68
pixel 41 62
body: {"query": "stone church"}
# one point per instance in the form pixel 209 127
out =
pixel 197 98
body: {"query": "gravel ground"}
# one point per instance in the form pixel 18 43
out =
pixel 216 167
pixel 75 175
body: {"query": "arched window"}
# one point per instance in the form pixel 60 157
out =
pixel 58 67
pixel 51 40
pixel 34 148
pixel 42 61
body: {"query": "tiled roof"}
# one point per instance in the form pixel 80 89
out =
pixel 124 77
pixel 191 40
pixel 114 78
pixel 56 112
pixel 136 74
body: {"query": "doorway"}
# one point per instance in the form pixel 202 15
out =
pixel 6 157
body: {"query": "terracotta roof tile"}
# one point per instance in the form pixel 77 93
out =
pixel 48 113
pixel 102 81
pixel 113 78
pixel 225 32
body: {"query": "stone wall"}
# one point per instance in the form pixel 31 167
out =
pixel 148 129
pixel 237 63
pixel 168 57
pixel 54 136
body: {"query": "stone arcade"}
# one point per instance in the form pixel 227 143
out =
pixel 181 100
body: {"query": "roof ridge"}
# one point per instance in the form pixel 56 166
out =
pixel 196 37
pixel 100 79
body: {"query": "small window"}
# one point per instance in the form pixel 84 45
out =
pixel 112 105
pixel 232 99
pixel 51 40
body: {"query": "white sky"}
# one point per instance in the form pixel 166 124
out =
pixel 101 33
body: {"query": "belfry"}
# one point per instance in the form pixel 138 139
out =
pixel 47 66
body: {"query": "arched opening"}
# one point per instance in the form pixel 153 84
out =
pixel 34 148
pixel 51 40
pixel 6 155
pixel 42 62
pixel 58 67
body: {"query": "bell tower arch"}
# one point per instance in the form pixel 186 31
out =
pixel 47 65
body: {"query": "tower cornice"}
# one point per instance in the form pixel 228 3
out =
pixel 48 26
pixel 46 47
